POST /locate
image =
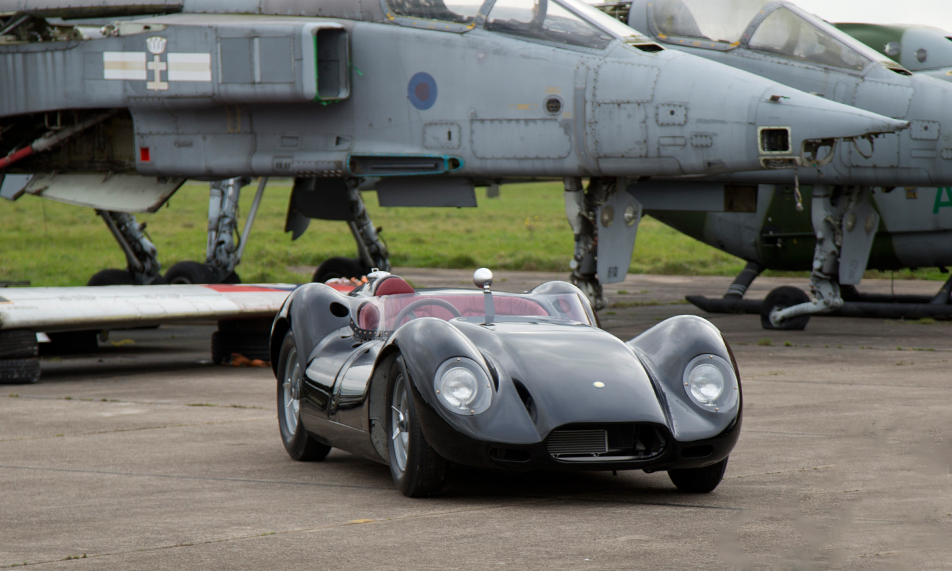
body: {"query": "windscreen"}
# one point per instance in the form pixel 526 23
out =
pixel 715 20
pixel 387 313
pixel 786 33
pixel 547 21
pixel 457 11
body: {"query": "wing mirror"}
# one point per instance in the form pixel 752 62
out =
pixel 483 278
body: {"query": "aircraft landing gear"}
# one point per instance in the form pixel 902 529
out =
pixel 845 224
pixel 338 199
pixel 224 250
pixel 580 207
pixel 141 256
pixel 604 218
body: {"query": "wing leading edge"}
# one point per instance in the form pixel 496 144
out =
pixel 112 307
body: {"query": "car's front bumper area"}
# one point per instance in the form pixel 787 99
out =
pixel 668 454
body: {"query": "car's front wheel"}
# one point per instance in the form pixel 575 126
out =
pixel 417 470
pixel 299 444
pixel 699 480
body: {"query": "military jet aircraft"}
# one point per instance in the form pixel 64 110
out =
pixel 419 99
pixel 914 231
pixel 922 49
pixel 780 41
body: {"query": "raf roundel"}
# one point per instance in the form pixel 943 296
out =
pixel 422 91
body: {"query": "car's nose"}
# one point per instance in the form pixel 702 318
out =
pixel 714 118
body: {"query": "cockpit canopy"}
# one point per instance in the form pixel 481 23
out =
pixel 559 22
pixel 768 26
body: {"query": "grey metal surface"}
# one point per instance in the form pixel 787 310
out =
pixel 116 192
pixel 426 191
pixel 229 120
pixel 878 85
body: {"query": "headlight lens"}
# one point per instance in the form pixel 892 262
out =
pixel 462 386
pixel 710 382
pixel 458 386
pixel 706 383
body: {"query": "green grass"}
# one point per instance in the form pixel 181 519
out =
pixel 52 244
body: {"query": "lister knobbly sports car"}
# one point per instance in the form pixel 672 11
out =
pixel 422 379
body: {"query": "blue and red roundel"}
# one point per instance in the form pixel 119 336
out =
pixel 422 91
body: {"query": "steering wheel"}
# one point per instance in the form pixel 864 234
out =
pixel 406 311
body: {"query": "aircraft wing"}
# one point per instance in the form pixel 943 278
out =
pixel 53 309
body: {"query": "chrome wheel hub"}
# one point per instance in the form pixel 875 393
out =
pixel 399 423
pixel 291 393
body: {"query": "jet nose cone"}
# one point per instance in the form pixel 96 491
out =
pixel 815 117
pixel 735 121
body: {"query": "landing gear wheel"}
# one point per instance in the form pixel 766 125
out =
pixel 232 279
pixel 849 293
pixel 299 444
pixel 699 480
pixel 19 371
pixel 782 298
pixel 111 277
pixel 190 273
pixel 338 268
pixel 417 470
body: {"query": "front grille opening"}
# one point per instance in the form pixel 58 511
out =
pixel 526 399
pixel 697 451
pixel 508 455
pixel 607 443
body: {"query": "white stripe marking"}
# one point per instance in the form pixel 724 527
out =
pixel 124 65
pixel 190 67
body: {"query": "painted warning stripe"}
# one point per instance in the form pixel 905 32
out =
pixel 225 288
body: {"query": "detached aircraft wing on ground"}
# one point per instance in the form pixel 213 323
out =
pixel 76 314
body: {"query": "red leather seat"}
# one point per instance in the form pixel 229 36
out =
pixel 467 305
pixel 392 285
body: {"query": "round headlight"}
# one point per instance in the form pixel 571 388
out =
pixel 462 386
pixel 711 384
pixel 458 387
pixel 706 383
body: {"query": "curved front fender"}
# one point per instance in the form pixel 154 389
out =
pixel 425 344
pixel 665 350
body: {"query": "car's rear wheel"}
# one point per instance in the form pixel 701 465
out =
pixel 299 444
pixel 417 470
pixel 699 480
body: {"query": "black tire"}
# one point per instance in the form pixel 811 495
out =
pixel 232 279
pixel 71 343
pixel 338 268
pixel 19 371
pixel 300 445
pixel 699 480
pixel 190 273
pixel 18 344
pixel 252 346
pixel 111 277
pixel 849 293
pixel 782 298
pixel 425 471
